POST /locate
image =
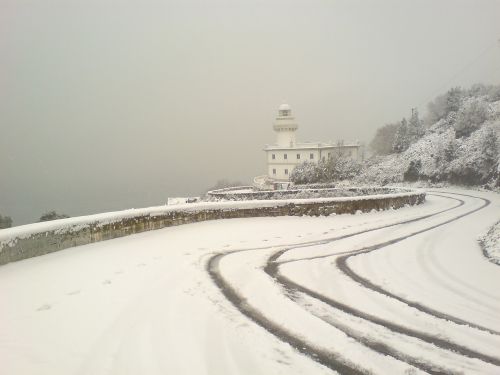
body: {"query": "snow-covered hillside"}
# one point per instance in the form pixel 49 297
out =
pixel 462 148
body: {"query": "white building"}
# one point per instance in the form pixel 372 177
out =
pixel 283 156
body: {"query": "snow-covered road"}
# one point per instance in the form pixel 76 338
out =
pixel 396 292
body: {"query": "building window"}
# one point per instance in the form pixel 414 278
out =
pixel 274 170
pixel 273 156
pixel 298 156
pixel 285 156
pixel 286 171
pixel 311 156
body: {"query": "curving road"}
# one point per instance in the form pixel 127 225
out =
pixel 404 292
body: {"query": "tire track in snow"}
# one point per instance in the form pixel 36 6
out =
pixel 379 346
pixel 348 271
pixel 328 359
pixel 324 357
pixel 272 269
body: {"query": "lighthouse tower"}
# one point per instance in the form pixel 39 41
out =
pixel 287 153
pixel 285 127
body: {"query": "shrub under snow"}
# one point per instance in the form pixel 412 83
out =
pixel 491 243
pixel 336 168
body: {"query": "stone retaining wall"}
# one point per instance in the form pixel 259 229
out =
pixel 39 243
pixel 316 191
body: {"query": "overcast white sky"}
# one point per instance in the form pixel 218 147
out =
pixel 116 104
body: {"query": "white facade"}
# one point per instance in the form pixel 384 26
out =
pixel 283 156
pixel 285 127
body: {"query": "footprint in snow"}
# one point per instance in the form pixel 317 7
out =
pixel 118 272
pixel 141 265
pixel 44 307
pixel 74 292
pixel 106 282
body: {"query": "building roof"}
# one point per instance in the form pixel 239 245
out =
pixel 311 146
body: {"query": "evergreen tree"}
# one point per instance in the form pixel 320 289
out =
pixel 470 117
pixel 383 140
pixel 401 140
pixel 454 99
pixel 446 152
pixel 450 149
pixel 442 105
pixel 5 222
pixel 489 150
pixel 415 127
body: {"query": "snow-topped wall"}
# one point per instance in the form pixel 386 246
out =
pixel 42 238
pixel 326 190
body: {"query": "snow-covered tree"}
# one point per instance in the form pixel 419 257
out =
pixel 415 127
pixel 494 93
pixel 446 151
pixel 470 117
pixel 413 171
pixel 489 150
pixel 343 168
pixel 450 149
pixel 436 110
pixel 477 158
pixel 454 99
pixel 335 168
pixel 306 173
pixel 495 181
pixel 490 92
pixel 5 222
pixel 401 139
pixel 383 140
pixel 442 105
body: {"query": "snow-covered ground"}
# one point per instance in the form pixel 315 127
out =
pixel 402 292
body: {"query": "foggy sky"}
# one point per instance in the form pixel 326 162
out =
pixel 116 104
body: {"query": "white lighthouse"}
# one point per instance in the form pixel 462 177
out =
pixel 285 127
pixel 287 153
